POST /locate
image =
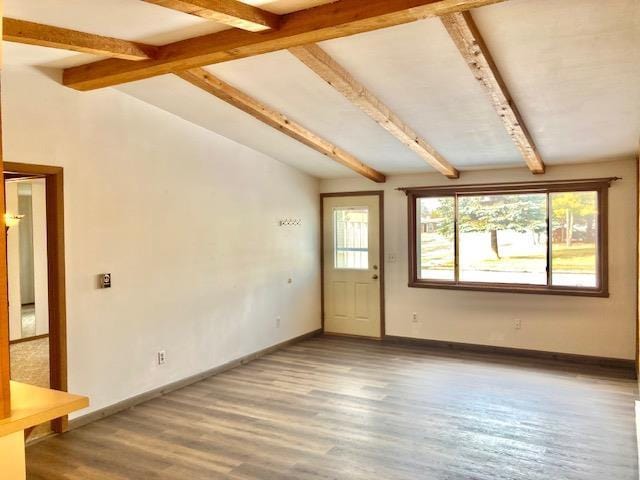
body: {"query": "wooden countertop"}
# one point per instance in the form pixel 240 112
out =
pixel 31 406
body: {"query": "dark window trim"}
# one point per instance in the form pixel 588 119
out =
pixel 600 185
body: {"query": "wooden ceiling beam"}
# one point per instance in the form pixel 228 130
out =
pixel 21 31
pixel 467 38
pixel 230 12
pixel 213 85
pixel 335 75
pixel 333 20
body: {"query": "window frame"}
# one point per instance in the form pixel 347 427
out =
pixel 335 240
pixel 599 185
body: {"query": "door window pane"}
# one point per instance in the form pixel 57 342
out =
pixel 503 238
pixel 351 227
pixel 436 238
pixel 574 217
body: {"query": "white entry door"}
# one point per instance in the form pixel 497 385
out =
pixel 352 269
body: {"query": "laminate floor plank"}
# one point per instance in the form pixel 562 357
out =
pixel 332 408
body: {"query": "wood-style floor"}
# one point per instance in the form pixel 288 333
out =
pixel 333 408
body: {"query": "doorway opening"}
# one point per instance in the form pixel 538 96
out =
pixel 36 279
pixel 353 263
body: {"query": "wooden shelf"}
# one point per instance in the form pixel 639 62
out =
pixel 31 406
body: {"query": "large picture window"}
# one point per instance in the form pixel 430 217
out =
pixel 535 237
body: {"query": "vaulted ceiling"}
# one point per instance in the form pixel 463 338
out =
pixel 572 67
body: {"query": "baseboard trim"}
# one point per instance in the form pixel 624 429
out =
pixel 348 335
pixel 157 392
pixel 28 339
pixel 619 363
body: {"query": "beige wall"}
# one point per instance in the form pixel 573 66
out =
pixel 588 326
pixel 13 264
pixel 184 219
pixel 40 268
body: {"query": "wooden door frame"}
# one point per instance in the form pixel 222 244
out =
pixel 54 181
pixel 380 195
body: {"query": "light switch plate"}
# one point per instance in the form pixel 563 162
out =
pixel 104 280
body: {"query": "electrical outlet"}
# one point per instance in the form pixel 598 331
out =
pixel 391 257
pixel 415 325
pixel 517 323
pixel 162 357
pixel 277 322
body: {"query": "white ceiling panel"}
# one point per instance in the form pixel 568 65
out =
pixel 174 95
pixel 573 69
pixel 20 54
pixel 418 72
pixel 281 81
pixel 125 19
pixel 286 6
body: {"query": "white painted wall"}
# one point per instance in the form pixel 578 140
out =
pixel 25 227
pixel 13 264
pixel 587 326
pixel 187 223
pixel 40 269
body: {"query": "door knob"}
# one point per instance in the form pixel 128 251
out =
pixel 375 277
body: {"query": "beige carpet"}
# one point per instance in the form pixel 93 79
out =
pixel 30 364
